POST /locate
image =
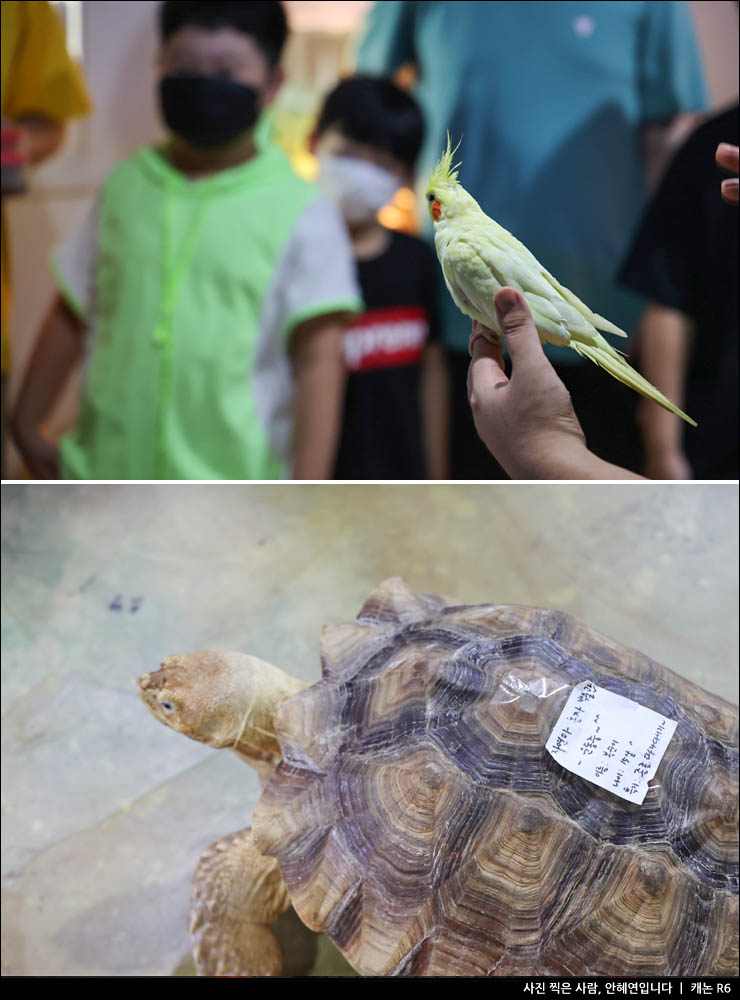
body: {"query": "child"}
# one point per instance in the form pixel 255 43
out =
pixel 367 139
pixel 212 283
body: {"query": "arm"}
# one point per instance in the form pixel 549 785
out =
pixel 664 343
pixel 40 138
pixel 319 374
pixel 58 349
pixel 670 81
pixel 318 296
pixel 660 140
pixel 435 408
pixel 527 421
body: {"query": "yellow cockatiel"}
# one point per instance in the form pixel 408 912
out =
pixel 479 258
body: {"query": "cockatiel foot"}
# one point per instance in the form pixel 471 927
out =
pixel 482 332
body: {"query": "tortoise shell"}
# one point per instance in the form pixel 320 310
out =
pixel 419 821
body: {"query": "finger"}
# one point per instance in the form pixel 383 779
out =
pixel 731 191
pixel 491 345
pixel 727 156
pixel 486 371
pixel 518 327
pixel 478 330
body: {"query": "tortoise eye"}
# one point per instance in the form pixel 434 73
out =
pixel 167 706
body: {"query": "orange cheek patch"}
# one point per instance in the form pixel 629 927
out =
pixel 436 211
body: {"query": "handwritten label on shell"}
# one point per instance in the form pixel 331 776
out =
pixel 610 740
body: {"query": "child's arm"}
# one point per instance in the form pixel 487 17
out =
pixel 665 342
pixel 435 411
pixel 319 376
pixel 58 349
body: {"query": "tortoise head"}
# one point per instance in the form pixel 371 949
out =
pixel 193 694
pixel 224 699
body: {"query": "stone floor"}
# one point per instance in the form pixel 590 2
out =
pixel 105 812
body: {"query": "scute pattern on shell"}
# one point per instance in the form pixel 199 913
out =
pixel 419 821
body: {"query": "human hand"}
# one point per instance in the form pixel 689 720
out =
pixel 526 421
pixel 14 151
pixel 39 454
pixel 30 139
pixel 13 160
pixel 727 158
pixel 669 463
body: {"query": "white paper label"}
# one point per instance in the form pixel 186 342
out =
pixel 610 740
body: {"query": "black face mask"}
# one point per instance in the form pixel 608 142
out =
pixel 207 111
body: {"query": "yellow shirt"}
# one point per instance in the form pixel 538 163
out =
pixel 38 77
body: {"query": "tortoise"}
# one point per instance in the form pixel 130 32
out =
pixel 411 811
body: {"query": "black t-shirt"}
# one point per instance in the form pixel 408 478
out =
pixel 686 258
pixel 382 434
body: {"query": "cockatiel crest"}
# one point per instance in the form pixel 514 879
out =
pixel 479 258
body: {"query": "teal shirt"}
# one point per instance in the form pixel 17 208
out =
pixel 549 100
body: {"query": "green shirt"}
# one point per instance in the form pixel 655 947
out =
pixel 191 290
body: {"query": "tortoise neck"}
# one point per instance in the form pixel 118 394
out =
pixel 262 691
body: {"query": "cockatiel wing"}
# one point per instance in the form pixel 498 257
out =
pixel 558 313
pixel 571 309
pixel 476 268
pixel 471 283
pixel 487 258
pixel 518 268
pixel 581 308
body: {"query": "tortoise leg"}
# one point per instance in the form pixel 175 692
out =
pixel 237 894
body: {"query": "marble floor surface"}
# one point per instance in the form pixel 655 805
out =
pixel 105 812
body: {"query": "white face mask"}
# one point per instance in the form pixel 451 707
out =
pixel 359 189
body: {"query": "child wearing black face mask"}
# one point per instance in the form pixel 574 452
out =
pixel 368 136
pixel 213 283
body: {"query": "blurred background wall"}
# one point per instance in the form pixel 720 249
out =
pixel 117 42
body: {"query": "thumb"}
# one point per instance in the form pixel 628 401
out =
pixel 518 327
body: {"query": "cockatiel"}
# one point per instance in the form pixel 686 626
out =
pixel 479 258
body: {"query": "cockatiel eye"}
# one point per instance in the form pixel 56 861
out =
pixel 431 197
